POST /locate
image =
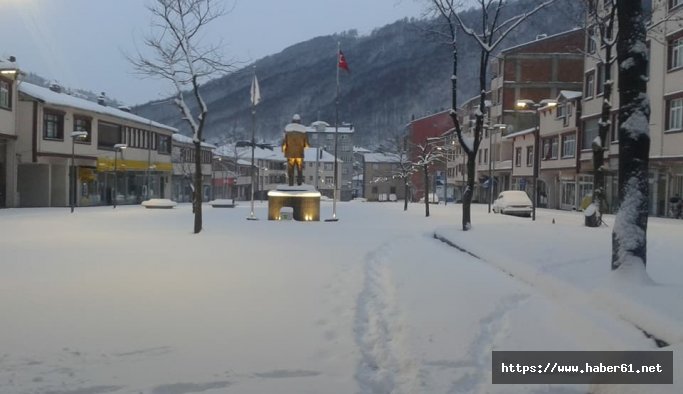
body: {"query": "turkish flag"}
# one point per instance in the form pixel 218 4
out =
pixel 342 62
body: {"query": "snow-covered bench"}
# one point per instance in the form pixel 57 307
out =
pixel 159 203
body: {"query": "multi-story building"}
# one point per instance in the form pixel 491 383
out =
pixel 533 72
pixel 184 167
pixel 319 170
pixel 419 133
pixel 381 182
pixel 563 181
pixel 322 135
pixel 665 88
pixel 123 156
pixel 9 73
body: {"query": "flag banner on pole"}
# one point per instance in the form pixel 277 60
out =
pixel 255 92
pixel 342 62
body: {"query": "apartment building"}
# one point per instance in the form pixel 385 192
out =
pixel 184 168
pixel 9 72
pixel 120 157
pixel 534 72
pixel 665 88
pixel 380 180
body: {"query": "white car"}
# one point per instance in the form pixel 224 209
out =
pixel 513 202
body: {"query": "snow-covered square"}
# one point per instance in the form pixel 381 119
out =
pixel 128 300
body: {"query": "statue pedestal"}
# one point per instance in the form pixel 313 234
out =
pixel 303 199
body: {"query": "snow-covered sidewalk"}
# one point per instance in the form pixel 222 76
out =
pixel 571 263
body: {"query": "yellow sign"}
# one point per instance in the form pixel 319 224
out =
pixel 106 164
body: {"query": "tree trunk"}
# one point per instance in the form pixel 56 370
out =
pixel 198 192
pixel 629 237
pixel 426 174
pixel 405 198
pixel 469 192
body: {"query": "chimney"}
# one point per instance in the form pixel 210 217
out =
pixel 12 59
pixel 55 87
pixel 100 99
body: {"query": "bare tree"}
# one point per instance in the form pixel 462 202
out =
pixel 404 167
pixel 488 35
pixel 179 56
pixel 629 237
pixel 425 156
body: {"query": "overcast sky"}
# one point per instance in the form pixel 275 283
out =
pixel 80 43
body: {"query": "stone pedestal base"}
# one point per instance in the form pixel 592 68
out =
pixel 304 201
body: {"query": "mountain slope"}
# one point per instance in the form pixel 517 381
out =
pixel 398 71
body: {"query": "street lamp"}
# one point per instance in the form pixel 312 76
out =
pixel 79 134
pixel 528 104
pixel 117 148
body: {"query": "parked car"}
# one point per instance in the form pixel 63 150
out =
pixel 513 202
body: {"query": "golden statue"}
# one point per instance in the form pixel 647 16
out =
pixel 293 146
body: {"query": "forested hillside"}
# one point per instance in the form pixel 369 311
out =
pixel 398 71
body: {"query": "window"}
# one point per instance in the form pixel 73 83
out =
pixel 676 52
pixel 674 109
pixel 164 143
pixel 589 87
pixel 568 145
pixel 518 157
pixel 590 131
pixel 329 180
pixel 330 166
pixel 569 194
pixel 53 125
pixel 600 79
pixel 5 94
pixel 486 156
pixel 530 156
pixel 82 123
pixel 374 190
pixel 590 44
pixel 550 146
pixel 561 110
pixel 108 135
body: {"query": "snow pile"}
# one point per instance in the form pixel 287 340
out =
pixel 159 203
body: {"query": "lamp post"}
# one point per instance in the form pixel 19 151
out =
pixel 78 134
pixel 117 148
pixel 527 104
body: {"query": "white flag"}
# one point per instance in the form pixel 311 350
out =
pixel 255 92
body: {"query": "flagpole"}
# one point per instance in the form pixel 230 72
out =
pixel 253 142
pixel 336 135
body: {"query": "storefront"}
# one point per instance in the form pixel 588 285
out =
pixel 129 180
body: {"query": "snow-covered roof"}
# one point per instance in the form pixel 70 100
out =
pixel 244 153
pixel 7 65
pixel 64 100
pixel 570 94
pixel 381 158
pixel 358 149
pixel 324 127
pixel 539 40
pixel 519 133
pixel 188 140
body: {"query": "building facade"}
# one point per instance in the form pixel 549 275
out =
pixel 123 158
pixel 184 168
pixel 9 73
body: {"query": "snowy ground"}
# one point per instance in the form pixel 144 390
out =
pixel 128 301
